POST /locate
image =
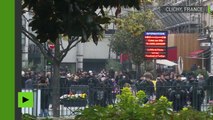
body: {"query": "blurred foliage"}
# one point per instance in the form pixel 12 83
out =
pixel 202 72
pixel 128 38
pixel 132 107
pixel 28 117
pixel 113 64
pixel 31 117
pixel 74 19
pixel 191 114
pixel 129 107
pixel 82 18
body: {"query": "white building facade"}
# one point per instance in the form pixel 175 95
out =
pixel 88 56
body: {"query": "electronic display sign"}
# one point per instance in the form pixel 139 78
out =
pixel 155 45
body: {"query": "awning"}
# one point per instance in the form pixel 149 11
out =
pixel 199 54
pixel 196 52
pixel 166 62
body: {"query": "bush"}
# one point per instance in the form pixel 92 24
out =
pixel 31 117
pixel 191 114
pixel 130 107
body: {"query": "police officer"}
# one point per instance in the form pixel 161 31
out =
pixel 92 83
pixel 196 95
pixel 149 86
pixel 160 84
pixel 101 92
pixel 209 87
pixel 44 87
pixel 168 84
pixel 178 96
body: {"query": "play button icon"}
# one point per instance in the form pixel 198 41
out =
pixel 25 99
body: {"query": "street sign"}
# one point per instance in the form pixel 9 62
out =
pixel 155 44
pixel 204 44
pixel 184 9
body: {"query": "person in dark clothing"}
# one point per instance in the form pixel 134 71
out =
pixel 209 88
pixel 158 87
pixel 44 87
pixel 93 84
pixel 109 87
pixel 111 73
pixel 84 79
pixel 168 84
pixel 178 81
pixel 188 84
pixel 115 90
pixel 169 81
pixel 29 83
pixel 179 98
pixel 194 67
pixel 101 93
pixel 149 86
pixel 63 85
pixel 165 87
pixel 196 96
pixel 150 90
pixel 139 84
pixel 118 77
pixel 123 80
pixel 201 81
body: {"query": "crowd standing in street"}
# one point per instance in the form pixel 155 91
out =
pixel 190 90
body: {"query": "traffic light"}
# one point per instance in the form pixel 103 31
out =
pixel 49 63
pixel 51 48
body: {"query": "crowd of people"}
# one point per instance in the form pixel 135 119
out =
pixel 180 90
pixel 103 86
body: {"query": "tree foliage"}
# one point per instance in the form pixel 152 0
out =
pixel 129 36
pixel 113 64
pixel 81 18
pixel 78 20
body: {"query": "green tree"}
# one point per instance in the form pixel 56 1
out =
pixel 113 64
pixel 129 36
pixel 78 20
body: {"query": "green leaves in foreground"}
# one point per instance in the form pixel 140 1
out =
pixel 131 107
pixel 51 18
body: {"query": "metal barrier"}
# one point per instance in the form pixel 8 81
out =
pixel 198 98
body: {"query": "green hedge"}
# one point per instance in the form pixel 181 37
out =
pixel 131 107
